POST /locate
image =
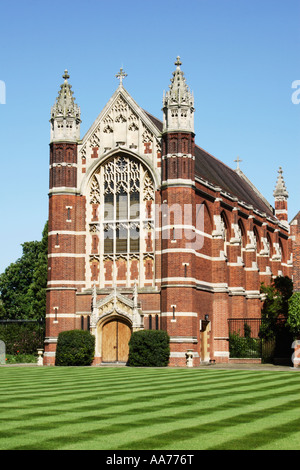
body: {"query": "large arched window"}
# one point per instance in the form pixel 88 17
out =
pixel 122 215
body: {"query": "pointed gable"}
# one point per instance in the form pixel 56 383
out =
pixel 122 123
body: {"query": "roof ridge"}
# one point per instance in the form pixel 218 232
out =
pixel 215 158
pixel 157 119
pixel 295 217
pixel 226 177
pixel 242 175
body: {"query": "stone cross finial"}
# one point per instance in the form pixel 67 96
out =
pixel 238 160
pixel 178 62
pixel 66 75
pixel 120 75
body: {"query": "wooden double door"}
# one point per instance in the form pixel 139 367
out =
pixel 115 338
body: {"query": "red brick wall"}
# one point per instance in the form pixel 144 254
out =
pixel 295 238
pixel 210 278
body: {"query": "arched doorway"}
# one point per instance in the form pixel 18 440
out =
pixel 116 334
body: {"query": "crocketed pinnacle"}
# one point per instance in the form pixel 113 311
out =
pixel 178 104
pixel 179 93
pixel 65 105
pixel 280 189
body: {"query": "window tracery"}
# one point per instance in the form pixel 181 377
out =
pixel 123 188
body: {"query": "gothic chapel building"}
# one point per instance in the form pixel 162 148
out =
pixel 148 230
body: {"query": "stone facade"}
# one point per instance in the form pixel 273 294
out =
pixel 148 230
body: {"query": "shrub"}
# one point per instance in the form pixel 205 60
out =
pixel 75 348
pixel 243 347
pixel 149 348
pixel 21 359
pixel 275 306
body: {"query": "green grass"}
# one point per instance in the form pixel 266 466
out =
pixel 66 408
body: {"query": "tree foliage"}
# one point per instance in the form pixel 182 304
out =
pixel 23 283
pixel 293 321
pixel 275 306
pixel 36 294
pixel 22 338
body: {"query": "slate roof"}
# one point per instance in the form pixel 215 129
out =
pixel 296 218
pixel 216 172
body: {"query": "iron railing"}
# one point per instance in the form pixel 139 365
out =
pixel 244 340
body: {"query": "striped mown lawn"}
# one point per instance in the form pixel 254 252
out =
pixel 157 409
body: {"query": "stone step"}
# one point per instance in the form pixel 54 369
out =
pixel 112 364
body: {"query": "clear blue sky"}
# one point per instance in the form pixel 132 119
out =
pixel 240 58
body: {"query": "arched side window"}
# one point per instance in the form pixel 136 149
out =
pixel 224 224
pixel 208 220
pixel 242 237
pixel 257 241
pixel 282 251
pixel 269 245
pixel 242 234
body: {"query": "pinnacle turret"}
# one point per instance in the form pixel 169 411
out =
pixel 178 103
pixel 65 114
pixel 280 189
pixel 281 196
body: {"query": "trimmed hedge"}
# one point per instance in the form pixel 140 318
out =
pixel 22 337
pixel 75 348
pixel 149 348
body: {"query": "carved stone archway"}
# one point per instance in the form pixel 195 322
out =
pixel 113 320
